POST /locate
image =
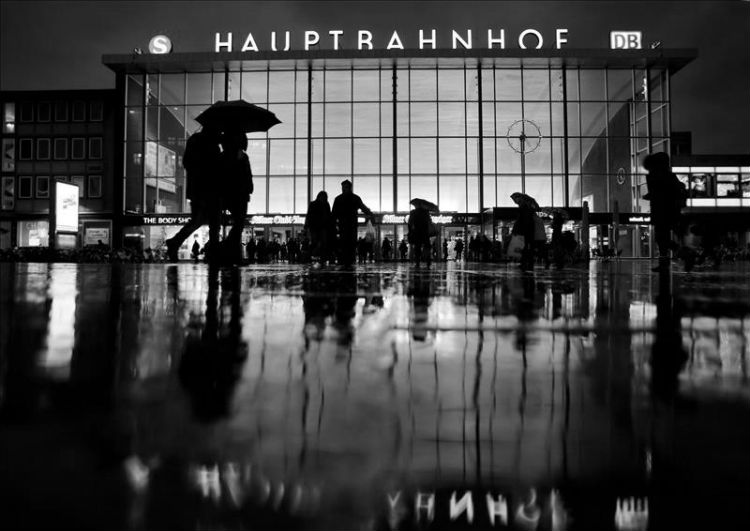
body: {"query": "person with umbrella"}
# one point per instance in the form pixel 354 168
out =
pixel 344 211
pixel 419 229
pixel 237 185
pixel 201 162
pixel 524 226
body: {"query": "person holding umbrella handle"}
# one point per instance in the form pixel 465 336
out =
pixel 236 185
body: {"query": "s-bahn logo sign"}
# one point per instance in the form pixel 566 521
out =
pixel 365 40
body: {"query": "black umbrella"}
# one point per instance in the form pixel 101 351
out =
pixel 522 199
pixel 424 203
pixel 238 115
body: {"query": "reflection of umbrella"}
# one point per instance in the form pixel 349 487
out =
pixel 553 211
pixel 424 203
pixel 522 199
pixel 238 114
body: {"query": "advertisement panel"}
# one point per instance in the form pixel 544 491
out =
pixel 66 207
pixel 9 154
pixel 9 193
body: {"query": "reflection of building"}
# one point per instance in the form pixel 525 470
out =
pixel 417 123
pixel 56 135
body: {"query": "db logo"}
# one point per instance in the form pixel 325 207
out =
pixel 625 40
pixel 160 44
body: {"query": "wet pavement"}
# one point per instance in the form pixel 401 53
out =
pixel 387 397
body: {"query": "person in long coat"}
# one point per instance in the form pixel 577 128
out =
pixel 344 211
pixel 666 195
pixel 419 234
pixel 319 226
pixel 236 187
pixel 524 226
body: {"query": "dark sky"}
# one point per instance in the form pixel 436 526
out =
pixel 59 44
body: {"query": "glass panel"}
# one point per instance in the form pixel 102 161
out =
pixel 424 155
pixel 404 194
pixel 452 155
pixel 152 123
pixel 300 81
pixel 403 156
pixel 423 85
pixel 535 84
pixel 281 158
pixel 488 119
pixel 317 85
pixel 472 155
pixel 301 200
pixel 423 121
pixel 508 160
pixel 192 112
pixel 558 123
pixel 488 84
pixel 452 193
pixel 490 191
pixel 281 86
pixel 338 85
pixel 556 85
pixel 386 119
pixel 507 84
pixel 257 203
pixel 338 156
pixel 300 120
pixel 173 89
pixel 507 185
pixel 316 111
pixel 219 89
pixel 592 85
pixel 540 160
pixel 451 85
pixel 300 157
pixel 317 157
pixel 539 114
pixel 402 117
pixel 507 114
pixel 402 85
pixel 280 194
pixel 367 85
pixel 593 118
pixel 255 87
pixel 171 124
pixel 285 113
pixel 540 188
pixel 367 156
pixel 489 156
pixel 386 194
pixel 472 199
pixel 424 187
pixel 152 89
pixel 234 86
pixel 571 77
pixel 386 155
pixel 472 119
pixel 366 119
pixel 134 127
pixel 558 191
pixel 135 91
pixel 368 188
pixel 472 85
pixel 452 119
pixel 619 85
pixel 256 152
pixel 199 89
pixel 338 119
pixel 574 126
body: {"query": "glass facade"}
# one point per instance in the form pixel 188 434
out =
pixel 465 137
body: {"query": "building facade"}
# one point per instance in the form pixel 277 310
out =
pixel 50 136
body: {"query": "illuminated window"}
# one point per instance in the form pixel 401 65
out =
pixel 95 148
pixel 9 118
pixel 95 186
pixel 42 186
pixel 25 184
pixel 80 181
pixel 61 148
pixel 42 148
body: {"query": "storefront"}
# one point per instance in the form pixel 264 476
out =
pixel 464 128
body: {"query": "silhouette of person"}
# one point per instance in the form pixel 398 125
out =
pixel 403 248
pixel 201 162
pixel 319 225
pixel 668 354
pixel 195 250
pixel 237 185
pixel 524 226
pixel 419 289
pixel 459 247
pixel 317 304
pixel 211 364
pixel 387 248
pixel 666 195
pixel 419 233
pixel 344 211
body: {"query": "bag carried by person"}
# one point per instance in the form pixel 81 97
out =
pixel 516 245
pixel 540 234
pixel 369 232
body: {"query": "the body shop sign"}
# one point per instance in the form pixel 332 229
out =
pixel 66 207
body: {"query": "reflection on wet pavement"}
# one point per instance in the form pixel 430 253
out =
pixel 387 397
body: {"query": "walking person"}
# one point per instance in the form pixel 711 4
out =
pixel 524 226
pixel 344 211
pixel 387 248
pixel 667 196
pixel 237 185
pixel 419 233
pixel 319 227
pixel 459 248
pixel 201 163
pixel 403 248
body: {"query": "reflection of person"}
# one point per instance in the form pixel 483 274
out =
pixel 201 162
pixel 524 226
pixel 211 364
pixel 344 211
pixel 419 233
pixel 666 195
pixel 419 289
pixel 237 185
pixel 668 355
pixel 319 225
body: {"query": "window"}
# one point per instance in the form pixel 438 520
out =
pixel 43 111
pixel 42 148
pixel 95 147
pixel 25 149
pixel 27 111
pixel 80 181
pixel 728 185
pixel 95 186
pixel 79 111
pixel 61 111
pixel 61 148
pixel 24 186
pixel 9 118
pixel 96 111
pixel 78 149
pixel 42 186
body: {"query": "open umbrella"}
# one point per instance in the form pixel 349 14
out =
pixel 522 199
pixel 238 115
pixel 424 203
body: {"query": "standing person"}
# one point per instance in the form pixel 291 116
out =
pixel 387 248
pixel 403 249
pixel 459 247
pixel 237 187
pixel 445 250
pixel 419 233
pixel 250 247
pixel 344 212
pixel 524 226
pixel 201 163
pixel 195 250
pixel 319 227
pixel 667 196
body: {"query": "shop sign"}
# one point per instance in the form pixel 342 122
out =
pixel 9 154
pixel 277 220
pixel 638 219
pixel 439 219
pixel 9 193
pixel 165 220
pixel 92 235
pixel 423 40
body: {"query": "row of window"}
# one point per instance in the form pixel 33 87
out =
pixel 59 111
pixel 703 185
pixel 60 148
pixel 31 187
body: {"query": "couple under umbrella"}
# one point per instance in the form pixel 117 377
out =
pixel 220 178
